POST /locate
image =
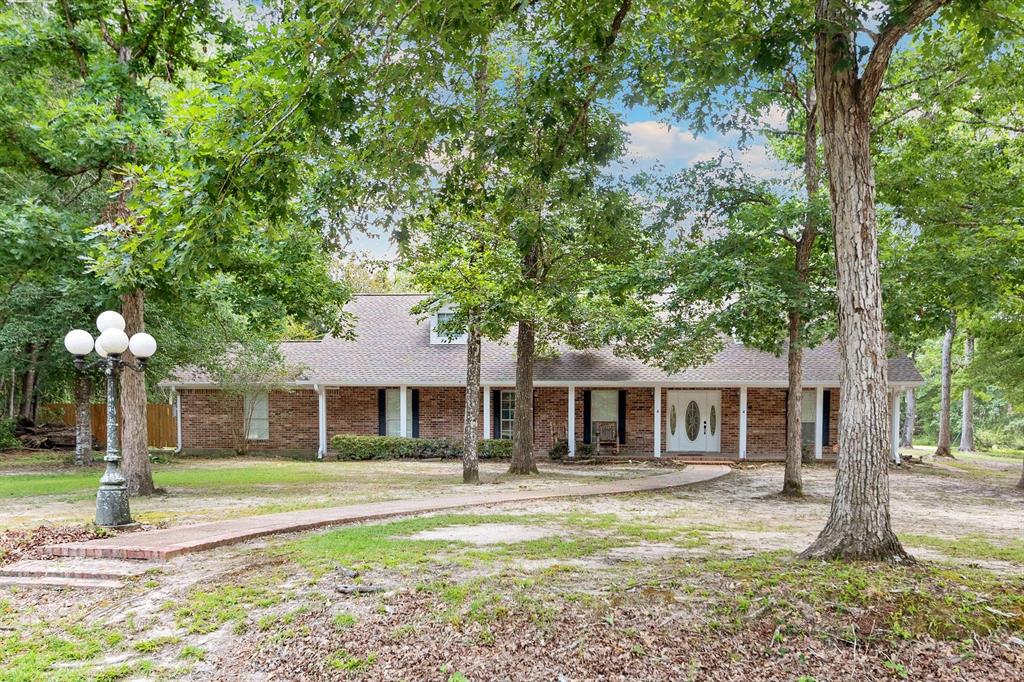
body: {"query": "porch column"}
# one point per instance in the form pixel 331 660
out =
pixel 403 411
pixel 487 412
pixel 321 413
pixel 743 422
pixel 657 421
pixel 819 420
pixel 570 427
pixel 894 436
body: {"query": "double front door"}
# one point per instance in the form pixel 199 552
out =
pixel 694 421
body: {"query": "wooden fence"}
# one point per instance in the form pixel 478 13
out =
pixel 160 423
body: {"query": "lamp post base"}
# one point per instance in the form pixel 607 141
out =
pixel 112 507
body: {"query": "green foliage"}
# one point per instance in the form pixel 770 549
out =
pixel 349 447
pixel 7 439
pixel 998 420
pixel 192 652
pixel 382 544
pixel 36 653
pixel 559 451
pixel 205 611
pixel 730 272
pixel 970 547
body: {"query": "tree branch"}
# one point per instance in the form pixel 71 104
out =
pixel 83 68
pixel 916 13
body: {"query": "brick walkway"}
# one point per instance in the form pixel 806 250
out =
pixel 161 545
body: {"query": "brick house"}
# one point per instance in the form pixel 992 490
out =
pixel 398 376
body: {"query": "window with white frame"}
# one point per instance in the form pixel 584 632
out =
pixel 604 407
pixel 257 415
pixel 437 335
pixel 508 413
pixel 393 411
pixel 808 415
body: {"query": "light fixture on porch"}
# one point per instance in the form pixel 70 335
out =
pixel 112 497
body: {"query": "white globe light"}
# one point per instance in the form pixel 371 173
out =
pixel 114 341
pixel 99 349
pixel 78 342
pixel 142 345
pixel 109 319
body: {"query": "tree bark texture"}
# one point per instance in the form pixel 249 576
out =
pixel 83 420
pixel 967 424
pixel 859 524
pixel 13 391
pixel 909 422
pixel 1020 483
pixel 471 436
pixel 134 437
pixel 522 425
pixel 792 482
pixel 943 449
pixel 27 410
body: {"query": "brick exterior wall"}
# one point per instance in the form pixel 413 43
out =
pixel 210 418
pixel 766 422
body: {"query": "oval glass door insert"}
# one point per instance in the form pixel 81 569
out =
pixel 692 420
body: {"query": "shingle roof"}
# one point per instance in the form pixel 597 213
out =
pixel 392 347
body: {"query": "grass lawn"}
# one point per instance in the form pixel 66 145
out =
pixel 699 583
pixel 49 490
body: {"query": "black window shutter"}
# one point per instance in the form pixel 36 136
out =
pixel 826 410
pixel 496 413
pixel 586 416
pixel 415 413
pixel 382 415
pixel 622 417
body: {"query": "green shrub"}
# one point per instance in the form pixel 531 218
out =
pixel 559 451
pixel 358 448
pixel 496 448
pixel 7 439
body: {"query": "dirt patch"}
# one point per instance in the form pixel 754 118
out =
pixel 485 534
pixel 657 601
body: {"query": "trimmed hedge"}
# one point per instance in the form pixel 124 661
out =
pixel 395 447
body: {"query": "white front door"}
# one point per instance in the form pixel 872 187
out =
pixel 694 421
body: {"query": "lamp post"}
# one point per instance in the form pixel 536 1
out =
pixel 112 497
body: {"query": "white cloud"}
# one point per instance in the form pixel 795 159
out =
pixel 654 141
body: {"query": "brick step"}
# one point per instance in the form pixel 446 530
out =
pixel 86 569
pixel 54 581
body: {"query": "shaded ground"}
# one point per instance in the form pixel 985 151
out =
pixel 693 584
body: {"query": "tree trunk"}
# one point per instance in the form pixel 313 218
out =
pixel 792 482
pixel 11 397
pixel 909 423
pixel 943 448
pixel 83 420
pixel 27 409
pixel 471 436
pixel 1020 483
pixel 859 524
pixel 522 425
pixel 134 438
pixel 967 424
